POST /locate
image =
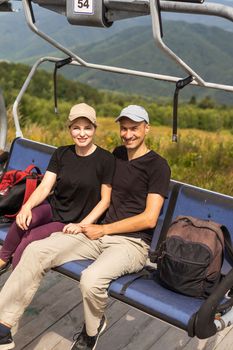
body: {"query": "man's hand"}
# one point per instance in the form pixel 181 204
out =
pixel 72 229
pixel 93 231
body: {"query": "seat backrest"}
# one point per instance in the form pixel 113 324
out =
pixel 206 205
pixel 24 152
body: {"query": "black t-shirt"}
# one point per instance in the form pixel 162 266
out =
pixel 132 182
pixel 79 179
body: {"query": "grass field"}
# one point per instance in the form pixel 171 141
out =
pixel 200 158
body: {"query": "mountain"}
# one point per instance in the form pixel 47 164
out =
pixel 14 30
pixel 208 50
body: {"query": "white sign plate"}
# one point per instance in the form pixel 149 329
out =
pixel 83 6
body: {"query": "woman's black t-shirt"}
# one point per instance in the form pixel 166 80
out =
pixel 78 184
pixel 132 182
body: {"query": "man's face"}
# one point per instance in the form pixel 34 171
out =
pixel 132 133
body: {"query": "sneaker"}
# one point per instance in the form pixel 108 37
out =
pixel 7 343
pixel 84 341
pixel 5 268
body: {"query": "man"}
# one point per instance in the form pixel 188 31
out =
pixel 118 246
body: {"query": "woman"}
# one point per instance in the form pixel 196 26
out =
pixel 80 176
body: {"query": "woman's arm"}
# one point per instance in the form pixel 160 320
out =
pixel 24 217
pixel 96 212
pixel 146 220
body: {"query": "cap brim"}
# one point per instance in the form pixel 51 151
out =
pixel 134 118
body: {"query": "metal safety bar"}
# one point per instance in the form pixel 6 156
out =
pixel 154 10
pixel 78 60
pixel 24 88
pixel 3 122
pixel 119 9
pixel 130 5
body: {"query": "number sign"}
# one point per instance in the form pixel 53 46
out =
pixel 83 6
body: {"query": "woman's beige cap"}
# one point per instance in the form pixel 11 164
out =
pixel 82 110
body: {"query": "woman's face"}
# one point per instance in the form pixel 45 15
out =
pixel 82 132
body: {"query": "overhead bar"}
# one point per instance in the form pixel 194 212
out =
pixel 142 8
pixel 3 122
pixel 154 10
pixel 120 9
pixel 80 61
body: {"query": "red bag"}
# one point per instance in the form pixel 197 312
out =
pixel 16 186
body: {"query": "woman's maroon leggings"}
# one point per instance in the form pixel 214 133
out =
pixel 40 227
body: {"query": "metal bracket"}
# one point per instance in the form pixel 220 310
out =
pixel 58 65
pixel 179 85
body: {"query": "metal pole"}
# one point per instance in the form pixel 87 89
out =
pixel 118 9
pixel 24 88
pixel 157 36
pixel 3 122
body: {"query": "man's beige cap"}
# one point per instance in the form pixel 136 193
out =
pixel 82 110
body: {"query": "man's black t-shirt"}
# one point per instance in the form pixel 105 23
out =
pixel 132 182
pixel 79 179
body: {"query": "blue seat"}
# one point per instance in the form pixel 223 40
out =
pixel 25 152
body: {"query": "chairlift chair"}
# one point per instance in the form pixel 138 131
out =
pixel 103 14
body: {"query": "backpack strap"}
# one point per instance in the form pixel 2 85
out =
pixel 153 254
pixel 146 273
pixel 31 185
pixel 31 167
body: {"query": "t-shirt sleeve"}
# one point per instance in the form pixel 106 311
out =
pixel 53 164
pixel 108 169
pixel 160 179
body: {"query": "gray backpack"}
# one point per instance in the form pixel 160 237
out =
pixel 189 260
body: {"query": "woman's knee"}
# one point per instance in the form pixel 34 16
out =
pixel 41 215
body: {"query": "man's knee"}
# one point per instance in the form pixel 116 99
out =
pixel 90 284
pixel 33 252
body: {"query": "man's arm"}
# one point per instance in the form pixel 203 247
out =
pixel 146 220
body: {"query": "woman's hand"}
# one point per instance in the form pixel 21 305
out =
pixel 24 218
pixel 72 229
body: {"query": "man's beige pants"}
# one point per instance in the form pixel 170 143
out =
pixel 113 257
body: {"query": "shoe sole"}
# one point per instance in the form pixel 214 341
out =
pixel 7 346
pixel 100 332
pixel 5 269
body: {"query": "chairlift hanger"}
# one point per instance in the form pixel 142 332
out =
pixel 204 322
pixel 154 10
pixel 112 10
